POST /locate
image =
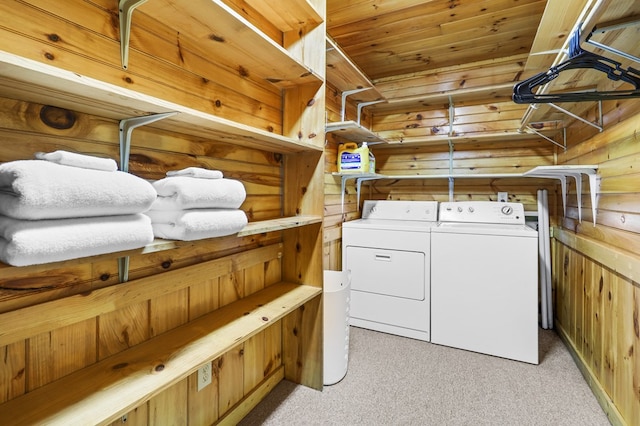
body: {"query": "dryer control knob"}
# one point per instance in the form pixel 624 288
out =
pixel 471 209
pixel 507 210
pixel 460 209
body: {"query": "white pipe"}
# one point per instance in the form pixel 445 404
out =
pixel 547 254
pixel 542 263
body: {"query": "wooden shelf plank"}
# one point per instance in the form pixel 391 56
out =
pixel 444 139
pixel 344 75
pixel 112 387
pixel 288 15
pixel 28 80
pixel 278 224
pixel 158 244
pixel 228 36
pixel 353 131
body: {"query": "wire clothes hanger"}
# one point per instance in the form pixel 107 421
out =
pixel 578 58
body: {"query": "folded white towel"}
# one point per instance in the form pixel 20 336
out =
pixel 182 193
pixel 196 172
pixel 196 224
pixel 67 158
pixel 36 189
pixel 31 242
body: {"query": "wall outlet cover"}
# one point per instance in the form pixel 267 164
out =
pixel 204 376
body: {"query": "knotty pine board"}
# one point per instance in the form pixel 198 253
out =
pixel 87 49
pixel 595 309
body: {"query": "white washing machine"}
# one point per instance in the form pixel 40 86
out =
pixel 484 280
pixel 388 254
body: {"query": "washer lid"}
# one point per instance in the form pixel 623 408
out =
pixel 485 229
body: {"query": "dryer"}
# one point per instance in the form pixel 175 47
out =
pixel 484 280
pixel 388 252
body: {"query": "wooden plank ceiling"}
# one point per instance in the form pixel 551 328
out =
pixel 423 54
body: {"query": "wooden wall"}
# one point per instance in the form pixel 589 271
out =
pixel 43 358
pixel 596 269
pixel 476 157
pixel 180 281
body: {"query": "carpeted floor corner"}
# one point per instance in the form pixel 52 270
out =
pixel 398 381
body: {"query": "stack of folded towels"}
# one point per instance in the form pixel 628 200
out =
pixel 196 203
pixel 64 205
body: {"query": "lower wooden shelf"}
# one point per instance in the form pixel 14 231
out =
pixel 252 228
pixel 103 392
pixel 278 224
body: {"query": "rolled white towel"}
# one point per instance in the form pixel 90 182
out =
pixel 196 172
pixel 196 224
pixel 37 189
pixel 67 158
pixel 31 242
pixel 182 193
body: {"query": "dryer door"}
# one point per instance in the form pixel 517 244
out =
pixel 388 272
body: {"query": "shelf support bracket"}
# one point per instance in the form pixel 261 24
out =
pixel 577 117
pixel 126 128
pixel 532 130
pixel 359 185
pixel 452 112
pixel 343 109
pixel 364 104
pixel 575 172
pixel 125 9
pixel 610 26
pixel 123 269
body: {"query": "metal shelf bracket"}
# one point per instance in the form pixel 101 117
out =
pixel 345 94
pixel 364 104
pixel 126 128
pixel 125 9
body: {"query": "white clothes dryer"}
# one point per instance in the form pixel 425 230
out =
pixel 484 280
pixel 388 252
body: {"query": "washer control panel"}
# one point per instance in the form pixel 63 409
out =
pixel 482 212
pixel 400 210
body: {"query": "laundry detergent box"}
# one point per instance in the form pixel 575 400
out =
pixel 354 159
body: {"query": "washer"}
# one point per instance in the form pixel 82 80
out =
pixel 484 280
pixel 388 254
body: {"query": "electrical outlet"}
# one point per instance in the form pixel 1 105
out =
pixel 503 197
pixel 204 376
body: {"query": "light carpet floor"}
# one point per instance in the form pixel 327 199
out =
pixel 393 380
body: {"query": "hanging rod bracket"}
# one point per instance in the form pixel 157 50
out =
pixel 577 117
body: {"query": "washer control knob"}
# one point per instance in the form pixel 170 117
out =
pixel 507 210
pixel 471 209
pixel 460 209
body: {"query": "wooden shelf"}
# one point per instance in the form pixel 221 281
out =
pixel 28 80
pixel 353 131
pixel 229 37
pixel 278 224
pixel 470 138
pixel 159 244
pixel 289 15
pixel 546 172
pixel 103 392
pixel 344 75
